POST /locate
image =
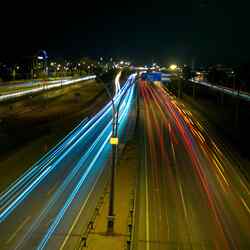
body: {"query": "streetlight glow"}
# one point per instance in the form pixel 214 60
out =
pixel 173 67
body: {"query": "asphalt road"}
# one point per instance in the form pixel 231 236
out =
pixel 50 206
pixel 241 94
pixel 4 96
pixel 190 194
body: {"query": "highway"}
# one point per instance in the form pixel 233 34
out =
pixel 243 95
pixel 50 205
pixel 30 83
pixel 190 194
pixel 41 86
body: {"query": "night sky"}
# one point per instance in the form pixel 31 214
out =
pixel 164 31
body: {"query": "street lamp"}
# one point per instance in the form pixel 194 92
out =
pixel 114 141
pixel 173 67
pixel 43 56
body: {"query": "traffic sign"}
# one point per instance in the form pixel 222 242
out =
pixel 151 76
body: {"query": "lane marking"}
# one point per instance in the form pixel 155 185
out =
pixel 18 229
pixel 75 221
pixel 147 207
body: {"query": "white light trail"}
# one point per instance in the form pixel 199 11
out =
pixel 57 83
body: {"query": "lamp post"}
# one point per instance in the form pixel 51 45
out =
pixel 43 57
pixel 114 141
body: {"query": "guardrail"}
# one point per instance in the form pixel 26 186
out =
pixel 128 244
pixel 90 227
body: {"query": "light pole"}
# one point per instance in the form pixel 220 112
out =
pixel 43 56
pixel 114 141
pixel 233 73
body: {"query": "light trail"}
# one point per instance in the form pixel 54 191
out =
pixel 9 200
pixel 31 83
pixel 51 85
pixel 45 159
pixel 92 137
pixel 63 187
pixel 100 142
pixel 60 215
pixel 203 195
pixel 117 83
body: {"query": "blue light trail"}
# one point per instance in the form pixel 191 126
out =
pixel 90 139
